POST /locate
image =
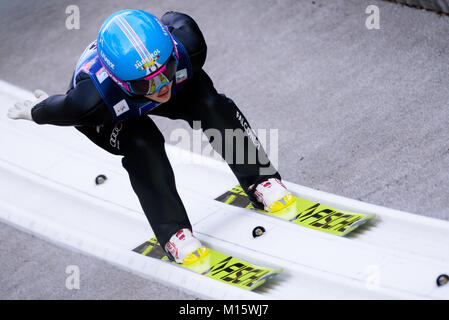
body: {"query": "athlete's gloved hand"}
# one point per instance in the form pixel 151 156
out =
pixel 22 110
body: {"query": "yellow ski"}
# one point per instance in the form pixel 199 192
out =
pixel 306 213
pixel 218 266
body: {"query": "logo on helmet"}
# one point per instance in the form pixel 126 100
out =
pixel 105 59
pixel 152 65
pixel 163 27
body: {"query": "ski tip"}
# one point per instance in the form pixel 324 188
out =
pixel 357 224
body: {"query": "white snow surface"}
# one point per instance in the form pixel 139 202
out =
pixel 47 189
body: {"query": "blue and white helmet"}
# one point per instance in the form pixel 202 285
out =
pixel 136 45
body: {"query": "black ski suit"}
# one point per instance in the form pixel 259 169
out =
pixel 141 143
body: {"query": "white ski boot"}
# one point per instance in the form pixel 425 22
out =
pixel 185 248
pixel 273 195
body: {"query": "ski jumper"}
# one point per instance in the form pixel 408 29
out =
pixel 119 124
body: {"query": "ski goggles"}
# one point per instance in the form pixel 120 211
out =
pixel 154 82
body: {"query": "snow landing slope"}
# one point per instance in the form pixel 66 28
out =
pixel 396 256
